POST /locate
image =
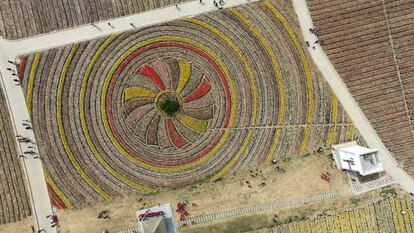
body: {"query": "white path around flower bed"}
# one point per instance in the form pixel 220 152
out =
pixel 10 50
pixel 266 207
pixel 348 102
pixel 32 167
pixel 118 25
pixel 129 230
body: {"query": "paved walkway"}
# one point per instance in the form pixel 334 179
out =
pixel 359 188
pixel 129 230
pixel 285 126
pixel 348 102
pixel 117 25
pixel 9 50
pixel 265 207
pixel 32 167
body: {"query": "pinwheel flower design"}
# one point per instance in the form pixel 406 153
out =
pixel 168 103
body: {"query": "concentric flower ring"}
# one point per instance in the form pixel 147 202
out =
pixel 202 92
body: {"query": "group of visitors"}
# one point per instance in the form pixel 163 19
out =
pixel 54 223
pixel 313 31
pixel 14 73
pixel 219 5
pixel 326 177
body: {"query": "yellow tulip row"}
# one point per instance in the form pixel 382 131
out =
pixel 395 216
pixel 71 157
pixel 343 222
pixel 89 140
pixel 334 110
pixel 336 225
pixel 308 76
pixel 254 90
pixel 58 192
pixel 372 219
pixel 353 220
pixel 279 78
pixel 62 131
pixel 350 132
pixel 329 224
pixel 305 65
pixel 29 90
pixel 409 217
pixel 404 216
pixel 358 214
pixel 391 215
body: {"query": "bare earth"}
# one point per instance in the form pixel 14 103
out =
pixel 258 223
pixel 301 179
pixel 18 227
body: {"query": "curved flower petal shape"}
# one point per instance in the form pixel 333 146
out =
pixel 141 81
pixel 148 72
pixel 141 127
pixel 173 134
pixel 206 113
pixel 185 73
pixel 200 103
pixel 199 92
pixel 193 83
pixel 152 132
pixel 136 92
pixel 189 134
pixel 163 138
pixel 174 70
pixel 130 105
pixel 197 125
pixel 161 68
pixel 138 113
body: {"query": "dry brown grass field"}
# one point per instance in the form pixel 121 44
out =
pixel 301 179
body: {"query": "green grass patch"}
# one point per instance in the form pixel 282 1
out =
pixel 287 159
pixel 388 191
pixel 355 200
pixel 169 107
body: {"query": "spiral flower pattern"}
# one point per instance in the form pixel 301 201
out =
pixel 168 81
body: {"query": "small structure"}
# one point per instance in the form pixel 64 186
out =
pixel 157 219
pixel 350 156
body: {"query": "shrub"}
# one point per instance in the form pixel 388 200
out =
pixel 319 150
pixel 355 200
pixel 170 107
pixel 387 191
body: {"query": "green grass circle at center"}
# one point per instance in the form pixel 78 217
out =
pixel 169 107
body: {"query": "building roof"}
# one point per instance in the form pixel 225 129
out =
pixel 156 224
pixel 357 150
pixel 350 156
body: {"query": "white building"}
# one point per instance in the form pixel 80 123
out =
pixel 350 156
pixel 148 222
